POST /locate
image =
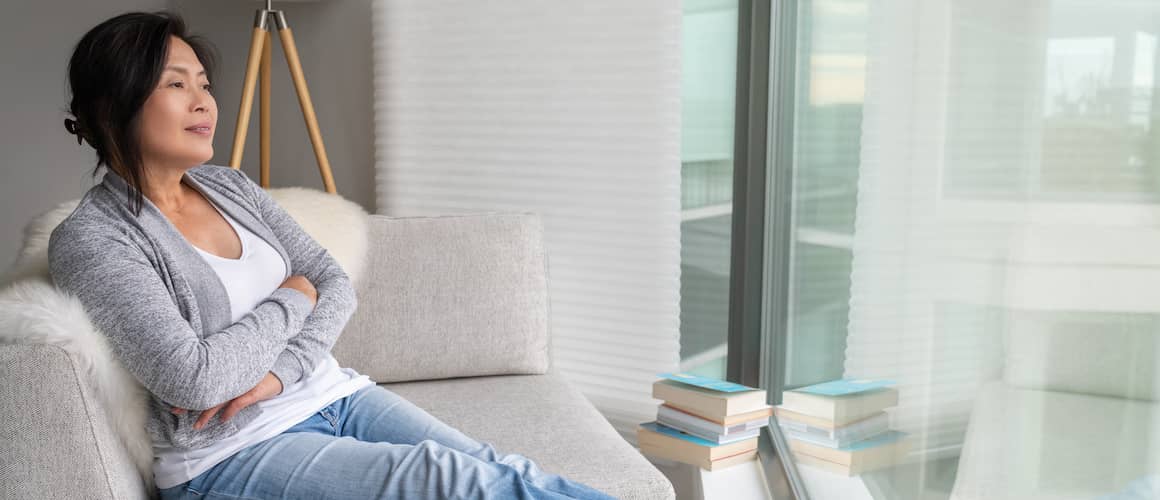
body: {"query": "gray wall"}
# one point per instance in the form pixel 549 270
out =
pixel 43 165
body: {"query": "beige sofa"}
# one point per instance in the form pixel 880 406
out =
pixel 453 315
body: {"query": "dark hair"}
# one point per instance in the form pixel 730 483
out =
pixel 113 69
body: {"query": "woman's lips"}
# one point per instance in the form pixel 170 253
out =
pixel 200 130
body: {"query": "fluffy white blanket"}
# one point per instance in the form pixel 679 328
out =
pixel 32 310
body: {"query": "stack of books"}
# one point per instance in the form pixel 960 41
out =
pixel 840 425
pixel 703 421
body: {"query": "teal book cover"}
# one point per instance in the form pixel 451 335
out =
pixel 658 428
pixel 706 382
pixel 845 387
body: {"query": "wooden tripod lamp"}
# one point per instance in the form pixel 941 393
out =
pixel 259 63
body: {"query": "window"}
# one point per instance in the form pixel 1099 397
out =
pixel 962 197
pixel 709 66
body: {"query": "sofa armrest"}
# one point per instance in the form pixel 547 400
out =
pixel 57 438
pixel 450 296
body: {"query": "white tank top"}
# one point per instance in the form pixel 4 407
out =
pixel 249 280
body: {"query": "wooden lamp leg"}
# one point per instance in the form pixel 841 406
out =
pixel 264 113
pixel 252 62
pixel 258 63
pixel 304 101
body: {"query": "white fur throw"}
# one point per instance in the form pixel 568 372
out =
pixel 32 310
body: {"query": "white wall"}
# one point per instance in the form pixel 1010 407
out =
pixel 44 166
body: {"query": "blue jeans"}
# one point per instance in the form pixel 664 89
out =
pixel 375 444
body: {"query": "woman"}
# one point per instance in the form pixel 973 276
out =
pixel 225 310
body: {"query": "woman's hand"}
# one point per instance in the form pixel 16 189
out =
pixel 303 285
pixel 269 387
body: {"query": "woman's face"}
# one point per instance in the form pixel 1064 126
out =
pixel 179 118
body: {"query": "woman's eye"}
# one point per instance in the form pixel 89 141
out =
pixel 208 87
pixel 179 84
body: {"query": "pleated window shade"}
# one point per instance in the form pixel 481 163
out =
pixel 567 109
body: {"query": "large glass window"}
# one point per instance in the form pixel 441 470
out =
pixel 709 68
pixel 976 217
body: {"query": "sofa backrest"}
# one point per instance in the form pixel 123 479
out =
pixel 450 296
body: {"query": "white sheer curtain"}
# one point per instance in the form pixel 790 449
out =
pixel 1007 223
pixel 567 109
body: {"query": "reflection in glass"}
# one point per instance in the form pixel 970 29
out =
pixel 977 217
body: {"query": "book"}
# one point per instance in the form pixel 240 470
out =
pixel 721 463
pixel 840 469
pixel 660 441
pixel 881 450
pixel 840 409
pixel 708 402
pixel 761 414
pixel 845 387
pixel 825 423
pixel 693 424
pixel 837 437
pixel 828 466
pixel 706 382
pixel 715 438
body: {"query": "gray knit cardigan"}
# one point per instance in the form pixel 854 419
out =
pixel 167 315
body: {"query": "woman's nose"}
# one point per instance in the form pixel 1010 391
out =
pixel 202 101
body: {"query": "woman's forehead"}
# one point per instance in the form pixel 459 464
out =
pixel 184 69
pixel 182 59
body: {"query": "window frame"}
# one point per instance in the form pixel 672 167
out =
pixel 760 245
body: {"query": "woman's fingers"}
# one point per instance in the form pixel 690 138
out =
pixel 205 416
pixel 268 384
pixel 231 407
pixel 235 406
pixel 177 411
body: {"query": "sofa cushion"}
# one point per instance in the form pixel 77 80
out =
pixel 546 419
pixel 450 296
